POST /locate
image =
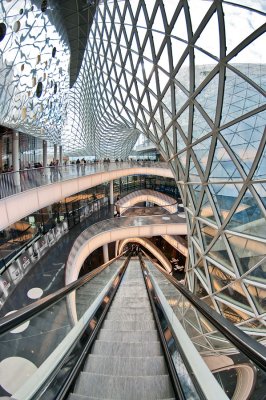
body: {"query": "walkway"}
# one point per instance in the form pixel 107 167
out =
pixel 45 189
pixel 116 229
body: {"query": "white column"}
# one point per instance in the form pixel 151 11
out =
pixel 105 253
pixel 111 192
pixel 44 153
pixel 55 152
pixel 61 155
pixel 15 157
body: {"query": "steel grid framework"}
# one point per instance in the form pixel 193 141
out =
pixel 187 77
pixel 190 75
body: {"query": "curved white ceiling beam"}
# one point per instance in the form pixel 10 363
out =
pixel 115 229
pixel 161 199
pixel 149 246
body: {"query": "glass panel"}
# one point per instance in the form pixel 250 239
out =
pixel 258 295
pixel 246 252
pixel 219 354
pixel 248 217
pixel 30 344
pixel 244 138
pixel 239 97
pixel 236 295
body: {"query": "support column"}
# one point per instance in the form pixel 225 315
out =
pixel 55 152
pixel 61 155
pixel 105 253
pixel 44 153
pixel 15 157
pixel 111 198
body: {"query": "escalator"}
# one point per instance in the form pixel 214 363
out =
pixel 126 360
pixel 128 330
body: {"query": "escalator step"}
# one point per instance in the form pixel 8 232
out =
pixel 118 315
pixel 74 396
pixel 126 366
pixel 132 349
pixel 128 336
pixel 130 388
pixel 129 325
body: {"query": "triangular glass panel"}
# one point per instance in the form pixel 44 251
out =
pixel 183 120
pixel 197 13
pixel 209 39
pixel 158 21
pixel 233 314
pixel 193 175
pixel 250 21
pixel 180 98
pixel 224 196
pixel 207 233
pixel 261 190
pixel 150 7
pixel 203 66
pixel 251 61
pixel 239 97
pixel 219 253
pixel 260 172
pixel 178 49
pixel 247 252
pixel 207 98
pixel 223 166
pixel 200 125
pixel 163 79
pixel 182 158
pixel 206 210
pixel 180 26
pixel 170 134
pixel 183 74
pixel 199 287
pixel 202 151
pixel 235 295
pixel 157 40
pixel 147 52
pixel 244 138
pixel 258 295
pixel 141 18
pixel 141 32
pixel 196 190
pixel 169 10
pixel 191 331
pixel 248 217
pixel 164 59
pixel 180 141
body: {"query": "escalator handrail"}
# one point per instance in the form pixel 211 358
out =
pixel 23 314
pixel 254 350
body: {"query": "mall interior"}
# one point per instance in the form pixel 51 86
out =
pixel 132 199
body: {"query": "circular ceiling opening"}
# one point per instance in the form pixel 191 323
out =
pixel 2 31
pixel 39 89
pixel 16 26
pixel 44 5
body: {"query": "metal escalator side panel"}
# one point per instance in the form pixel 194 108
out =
pixel 191 372
pixel 69 354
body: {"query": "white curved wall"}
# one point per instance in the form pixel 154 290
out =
pixel 18 206
pixel 93 238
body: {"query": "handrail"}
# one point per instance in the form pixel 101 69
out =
pixel 255 351
pixel 11 321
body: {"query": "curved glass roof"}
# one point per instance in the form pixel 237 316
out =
pixel 190 76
